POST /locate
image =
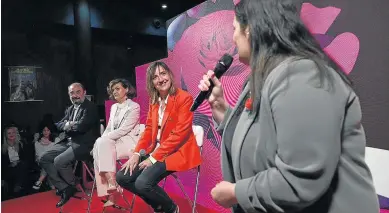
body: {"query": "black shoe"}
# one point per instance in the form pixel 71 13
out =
pixel 58 192
pixel 66 195
pixel 158 210
pixel 176 210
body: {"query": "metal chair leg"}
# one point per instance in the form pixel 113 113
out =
pixel 132 203
pixel 130 206
pixel 164 182
pixel 88 170
pixel 91 195
pixel 75 167
pixel 182 188
pixel 86 196
pixel 126 201
pixel 196 188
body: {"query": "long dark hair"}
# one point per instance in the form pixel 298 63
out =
pixel 276 33
pixel 52 132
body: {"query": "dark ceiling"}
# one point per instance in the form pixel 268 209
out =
pixel 153 7
pixel 130 16
pixel 132 24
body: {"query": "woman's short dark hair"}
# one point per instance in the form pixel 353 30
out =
pixel 125 84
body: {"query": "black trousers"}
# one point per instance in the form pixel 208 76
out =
pixel 144 183
pixel 15 177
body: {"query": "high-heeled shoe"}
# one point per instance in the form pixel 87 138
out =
pixel 112 186
pixel 110 202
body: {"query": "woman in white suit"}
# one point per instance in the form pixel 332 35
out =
pixel 120 136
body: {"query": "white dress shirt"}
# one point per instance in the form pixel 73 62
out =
pixel 13 156
pixel 116 119
pixel 76 107
pixel 161 112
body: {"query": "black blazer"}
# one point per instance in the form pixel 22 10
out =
pixel 86 130
pixel 23 157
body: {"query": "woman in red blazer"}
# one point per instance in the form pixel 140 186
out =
pixel 169 124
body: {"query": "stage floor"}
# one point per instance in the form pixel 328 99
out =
pixel 44 202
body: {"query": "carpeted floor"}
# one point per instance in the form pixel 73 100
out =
pixel 45 203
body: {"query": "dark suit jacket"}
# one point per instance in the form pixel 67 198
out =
pixel 23 157
pixel 86 130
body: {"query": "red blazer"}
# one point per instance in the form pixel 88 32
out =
pixel 178 147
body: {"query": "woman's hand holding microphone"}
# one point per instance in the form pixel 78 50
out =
pixel 224 192
pixel 216 99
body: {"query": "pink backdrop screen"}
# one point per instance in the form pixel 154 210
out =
pixel 197 39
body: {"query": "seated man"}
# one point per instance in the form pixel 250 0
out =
pixel 81 126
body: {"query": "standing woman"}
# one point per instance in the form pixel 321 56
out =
pixel 118 139
pixel 294 141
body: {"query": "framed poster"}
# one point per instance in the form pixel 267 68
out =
pixel 22 83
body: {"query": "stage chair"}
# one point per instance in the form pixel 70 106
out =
pixel 118 161
pixel 199 134
pixel 86 171
pixel 141 130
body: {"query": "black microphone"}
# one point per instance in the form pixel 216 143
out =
pixel 221 67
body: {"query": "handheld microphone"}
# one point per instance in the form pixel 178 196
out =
pixel 142 154
pixel 221 67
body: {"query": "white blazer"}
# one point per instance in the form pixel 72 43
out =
pixel 128 129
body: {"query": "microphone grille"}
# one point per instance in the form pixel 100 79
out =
pixel 226 60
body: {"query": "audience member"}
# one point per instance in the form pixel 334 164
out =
pixel 14 162
pixel 43 142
